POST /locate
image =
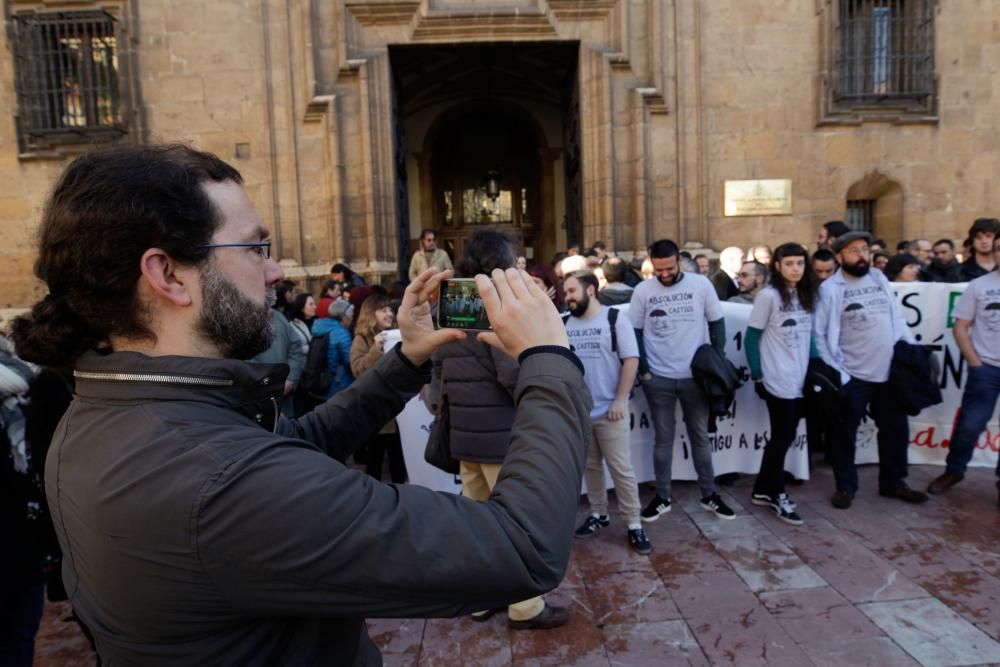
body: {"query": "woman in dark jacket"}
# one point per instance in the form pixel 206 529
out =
pixel 475 383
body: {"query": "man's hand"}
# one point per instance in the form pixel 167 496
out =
pixel 616 411
pixel 416 327
pixel 289 387
pixel 522 315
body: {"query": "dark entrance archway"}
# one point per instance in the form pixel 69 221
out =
pixel 506 110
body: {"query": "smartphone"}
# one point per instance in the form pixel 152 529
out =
pixel 460 306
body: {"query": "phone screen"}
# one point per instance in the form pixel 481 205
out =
pixel 461 307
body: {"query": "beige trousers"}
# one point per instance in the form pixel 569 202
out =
pixel 611 444
pixel 478 480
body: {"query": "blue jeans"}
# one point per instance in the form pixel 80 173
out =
pixel 978 402
pixel 893 436
pixel 662 395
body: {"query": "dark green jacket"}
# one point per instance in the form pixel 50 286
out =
pixel 197 529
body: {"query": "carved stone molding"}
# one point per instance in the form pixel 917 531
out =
pixel 376 13
pixel 483 26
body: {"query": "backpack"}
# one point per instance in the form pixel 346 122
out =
pixel 612 319
pixel 316 377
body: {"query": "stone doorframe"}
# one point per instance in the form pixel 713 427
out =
pixel 349 209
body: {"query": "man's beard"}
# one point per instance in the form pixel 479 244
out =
pixel 667 282
pixel 240 328
pixel 858 269
pixel 578 308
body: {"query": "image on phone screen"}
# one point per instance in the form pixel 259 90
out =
pixel 461 307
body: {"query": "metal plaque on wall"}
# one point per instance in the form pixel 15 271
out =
pixel 759 197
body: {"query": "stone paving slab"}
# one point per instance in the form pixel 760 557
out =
pixel 882 583
pixel 932 633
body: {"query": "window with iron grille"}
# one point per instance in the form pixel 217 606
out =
pixel 860 215
pixel 881 57
pixel 67 76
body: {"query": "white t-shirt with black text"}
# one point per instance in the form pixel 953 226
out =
pixel 673 320
pixel 590 339
pixel 866 334
pixel 784 343
pixel 980 303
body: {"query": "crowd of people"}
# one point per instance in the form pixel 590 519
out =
pixel 267 548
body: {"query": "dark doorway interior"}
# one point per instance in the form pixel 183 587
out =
pixel 486 134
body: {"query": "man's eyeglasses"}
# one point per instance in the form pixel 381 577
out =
pixel 263 248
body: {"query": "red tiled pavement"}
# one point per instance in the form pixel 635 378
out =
pixel 883 583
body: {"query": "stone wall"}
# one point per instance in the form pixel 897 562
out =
pixel 676 98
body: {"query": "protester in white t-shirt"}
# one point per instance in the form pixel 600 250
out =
pixel 977 332
pixel 858 323
pixel 669 315
pixel 778 343
pixel 606 345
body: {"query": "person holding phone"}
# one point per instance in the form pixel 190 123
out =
pixel 172 477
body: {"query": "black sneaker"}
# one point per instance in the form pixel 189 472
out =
pixel 784 509
pixel 714 503
pixel 639 542
pixel 655 508
pixel 592 525
pixel 761 500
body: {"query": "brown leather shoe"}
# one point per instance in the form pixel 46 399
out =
pixel 944 482
pixel 551 617
pixel 906 494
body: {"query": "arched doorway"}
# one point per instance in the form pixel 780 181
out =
pixel 472 113
pixel 486 171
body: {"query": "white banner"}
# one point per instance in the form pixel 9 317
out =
pixel 928 308
pixel 739 443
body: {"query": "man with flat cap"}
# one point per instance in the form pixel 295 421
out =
pixel 858 323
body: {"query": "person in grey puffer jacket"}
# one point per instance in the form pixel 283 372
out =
pixel 476 385
pixel 199 526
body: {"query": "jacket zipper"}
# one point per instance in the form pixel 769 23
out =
pixel 157 378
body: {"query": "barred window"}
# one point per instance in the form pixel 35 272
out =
pixel 67 76
pixel 860 215
pixel 885 52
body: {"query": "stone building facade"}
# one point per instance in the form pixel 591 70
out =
pixel 358 122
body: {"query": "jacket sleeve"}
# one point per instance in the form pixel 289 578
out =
pixel 294 533
pixel 348 419
pixel 506 368
pixel 363 355
pixel 296 356
pixel 821 327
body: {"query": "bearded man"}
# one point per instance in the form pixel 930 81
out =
pixel 858 323
pixel 199 526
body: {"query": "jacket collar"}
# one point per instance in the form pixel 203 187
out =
pixel 133 376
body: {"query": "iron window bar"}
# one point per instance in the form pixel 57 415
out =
pixel 67 79
pixel 885 51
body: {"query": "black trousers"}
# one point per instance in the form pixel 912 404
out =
pixel 378 447
pixel 862 398
pixel 784 415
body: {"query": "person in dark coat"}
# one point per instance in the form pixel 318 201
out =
pixel 944 268
pixel 478 384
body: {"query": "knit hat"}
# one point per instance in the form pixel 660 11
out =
pixel 340 309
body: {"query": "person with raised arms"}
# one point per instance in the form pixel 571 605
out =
pixel 199 526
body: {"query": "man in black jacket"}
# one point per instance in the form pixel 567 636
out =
pixel 944 268
pixel 201 527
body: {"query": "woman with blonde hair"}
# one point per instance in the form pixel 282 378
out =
pixel 374 318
